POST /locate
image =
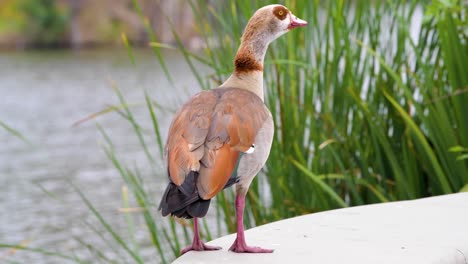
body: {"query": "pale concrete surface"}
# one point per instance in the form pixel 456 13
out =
pixel 424 231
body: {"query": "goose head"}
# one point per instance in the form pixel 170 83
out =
pixel 270 22
pixel 267 24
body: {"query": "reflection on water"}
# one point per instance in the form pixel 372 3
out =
pixel 42 94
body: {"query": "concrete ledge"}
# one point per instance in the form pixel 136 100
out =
pixel 431 230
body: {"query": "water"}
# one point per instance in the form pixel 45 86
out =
pixel 41 95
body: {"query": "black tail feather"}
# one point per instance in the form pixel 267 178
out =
pixel 199 208
pixel 183 201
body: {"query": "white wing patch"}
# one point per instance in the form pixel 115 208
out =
pixel 251 149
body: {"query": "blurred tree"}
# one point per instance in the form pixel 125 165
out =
pixel 45 23
pixel 10 18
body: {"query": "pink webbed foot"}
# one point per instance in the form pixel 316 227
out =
pixel 239 245
pixel 199 246
pixel 243 248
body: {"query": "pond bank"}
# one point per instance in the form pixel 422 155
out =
pixel 431 230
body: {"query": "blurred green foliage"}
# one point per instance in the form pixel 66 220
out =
pixel 45 22
pixel 41 22
pixel 10 17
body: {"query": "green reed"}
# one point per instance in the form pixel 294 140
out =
pixel 364 112
pixel 14 132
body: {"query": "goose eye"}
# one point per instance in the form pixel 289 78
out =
pixel 280 12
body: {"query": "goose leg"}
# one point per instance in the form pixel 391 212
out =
pixel 239 244
pixel 197 244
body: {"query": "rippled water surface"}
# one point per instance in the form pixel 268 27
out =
pixel 41 95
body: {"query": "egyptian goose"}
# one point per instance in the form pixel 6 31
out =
pixel 223 136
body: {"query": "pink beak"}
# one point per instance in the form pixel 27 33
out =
pixel 296 22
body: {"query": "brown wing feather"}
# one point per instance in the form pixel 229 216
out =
pixel 187 134
pixel 208 134
pixel 213 179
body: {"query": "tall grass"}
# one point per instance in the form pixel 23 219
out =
pixel 367 103
pixel 369 106
pixel 14 132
